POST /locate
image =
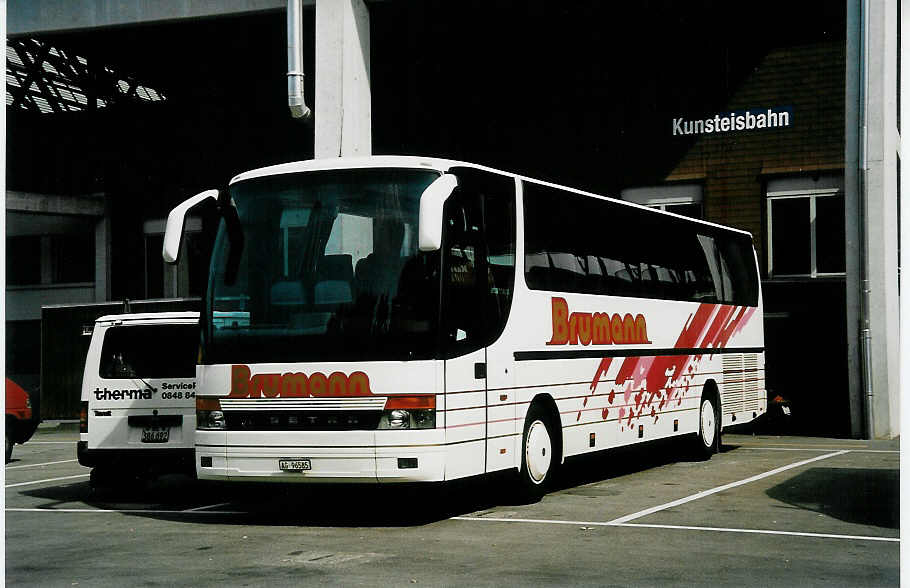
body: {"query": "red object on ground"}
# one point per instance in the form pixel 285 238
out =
pixel 17 402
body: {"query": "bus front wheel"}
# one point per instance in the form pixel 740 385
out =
pixel 538 457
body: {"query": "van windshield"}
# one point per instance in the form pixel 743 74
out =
pixel 329 270
pixel 150 351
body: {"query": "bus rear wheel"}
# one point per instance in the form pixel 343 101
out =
pixel 708 441
pixel 538 457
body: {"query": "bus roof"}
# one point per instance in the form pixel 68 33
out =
pixel 441 165
pixel 150 317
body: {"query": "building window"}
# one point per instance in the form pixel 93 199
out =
pixel 682 199
pixel 72 258
pixel 806 233
pixel 41 260
pixel 23 260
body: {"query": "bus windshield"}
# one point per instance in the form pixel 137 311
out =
pixel 329 271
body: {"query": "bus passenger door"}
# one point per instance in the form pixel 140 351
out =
pixel 461 322
pixel 479 246
pixel 498 199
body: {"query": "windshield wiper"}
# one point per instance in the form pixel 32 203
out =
pixel 136 376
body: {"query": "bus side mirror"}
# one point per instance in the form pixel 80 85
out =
pixel 429 224
pixel 173 232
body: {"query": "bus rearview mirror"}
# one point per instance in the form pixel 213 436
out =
pixel 429 222
pixel 173 232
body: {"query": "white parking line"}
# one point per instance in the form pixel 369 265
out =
pixel 195 511
pixel 678 527
pixel 764 448
pixel 35 465
pixel 47 480
pixel 123 510
pixel 202 508
pixel 50 442
pixel 767 532
pixel 704 493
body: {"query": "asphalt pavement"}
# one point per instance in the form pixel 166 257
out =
pixel 766 511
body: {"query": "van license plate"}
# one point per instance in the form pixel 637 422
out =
pixel 155 434
pixel 296 464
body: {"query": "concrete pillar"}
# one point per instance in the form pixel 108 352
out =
pixel 103 258
pixel 882 145
pixel 47 261
pixel 902 190
pixel 343 117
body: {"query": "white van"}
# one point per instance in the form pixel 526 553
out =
pixel 138 410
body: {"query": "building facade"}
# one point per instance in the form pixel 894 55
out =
pixel 781 120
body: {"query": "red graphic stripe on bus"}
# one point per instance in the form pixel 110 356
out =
pixel 659 380
pixel 601 371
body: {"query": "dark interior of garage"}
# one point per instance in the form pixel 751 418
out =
pixel 581 94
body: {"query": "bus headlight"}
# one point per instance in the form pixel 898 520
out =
pixel 399 419
pixel 409 412
pixel 209 416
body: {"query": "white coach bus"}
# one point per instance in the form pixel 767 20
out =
pixel 391 319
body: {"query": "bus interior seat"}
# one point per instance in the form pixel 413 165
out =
pixel 334 279
pixel 411 307
pixel 288 293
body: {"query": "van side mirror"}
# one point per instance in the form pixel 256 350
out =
pixel 173 233
pixel 429 223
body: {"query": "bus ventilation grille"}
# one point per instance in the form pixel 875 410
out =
pixel 733 385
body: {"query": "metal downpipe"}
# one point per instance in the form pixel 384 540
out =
pixel 296 102
pixel 865 328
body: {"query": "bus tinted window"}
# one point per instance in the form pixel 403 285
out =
pixel 150 351
pixel 479 261
pixel 575 243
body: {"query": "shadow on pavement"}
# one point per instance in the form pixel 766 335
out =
pixel 862 496
pixel 346 505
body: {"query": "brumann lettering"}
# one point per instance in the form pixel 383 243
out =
pixel 599 328
pixel 297 384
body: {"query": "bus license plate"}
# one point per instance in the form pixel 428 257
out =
pixel 296 464
pixel 155 434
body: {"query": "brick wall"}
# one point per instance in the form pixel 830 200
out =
pixel 734 165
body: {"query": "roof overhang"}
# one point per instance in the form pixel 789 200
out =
pixel 35 17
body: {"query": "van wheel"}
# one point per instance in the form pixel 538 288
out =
pixel 9 448
pixel 708 441
pixel 538 458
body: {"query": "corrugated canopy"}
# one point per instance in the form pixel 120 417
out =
pixel 45 79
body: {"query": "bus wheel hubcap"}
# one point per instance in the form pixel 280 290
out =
pixel 707 423
pixel 538 451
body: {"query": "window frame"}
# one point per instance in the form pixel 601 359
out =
pixel 674 194
pixel 812 195
pixel 46 262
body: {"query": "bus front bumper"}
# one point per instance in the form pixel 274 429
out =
pixel 328 456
